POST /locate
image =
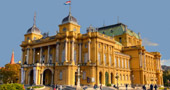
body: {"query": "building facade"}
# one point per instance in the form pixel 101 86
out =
pixel 102 54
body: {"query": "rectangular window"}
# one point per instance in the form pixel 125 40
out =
pixel 118 62
pixel 85 57
pixel 105 59
pixel 99 58
pixel 110 60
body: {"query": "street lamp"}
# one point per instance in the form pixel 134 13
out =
pixel 132 81
pixel 117 77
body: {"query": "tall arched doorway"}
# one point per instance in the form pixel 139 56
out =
pixel 47 77
pixel 100 77
pixel 106 78
pixel 31 81
pixel 111 78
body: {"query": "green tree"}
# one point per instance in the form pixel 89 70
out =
pixel 166 77
pixel 10 74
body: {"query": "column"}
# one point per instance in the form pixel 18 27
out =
pixel 80 52
pixel 57 51
pixel 48 56
pixel 27 55
pixel 72 51
pixel 52 79
pixel 40 54
pixel 89 51
pixel 42 79
pixel 140 58
pixel 65 51
pixel 33 55
pixel 22 59
pixel 35 75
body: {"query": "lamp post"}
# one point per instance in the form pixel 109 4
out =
pixel 132 81
pixel 117 77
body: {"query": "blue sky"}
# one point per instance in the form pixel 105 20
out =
pixel 149 17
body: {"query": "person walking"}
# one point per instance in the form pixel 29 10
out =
pixel 151 87
pixel 155 87
pixel 101 87
pixel 56 87
pixel 144 87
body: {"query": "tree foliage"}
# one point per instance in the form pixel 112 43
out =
pixel 10 74
pixel 166 77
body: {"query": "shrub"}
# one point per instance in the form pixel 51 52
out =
pixel 109 84
pixel 13 86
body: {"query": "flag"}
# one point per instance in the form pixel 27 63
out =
pixel 67 3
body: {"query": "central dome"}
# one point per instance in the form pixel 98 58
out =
pixel 69 18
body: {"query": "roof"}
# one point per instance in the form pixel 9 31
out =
pixel 69 18
pixel 117 29
pixel 33 29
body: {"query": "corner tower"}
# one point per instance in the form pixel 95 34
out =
pixel 69 23
pixel 33 33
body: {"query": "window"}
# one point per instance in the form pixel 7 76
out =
pixel 74 29
pixel 99 58
pixel 110 60
pixel 85 46
pixel 28 38
pixel 63 56
pixel 64 29
pixel 118 62
pixel 128 64
pixel 84 75
pixel 99 45
pixel 85 58
pixel 120 39
pixel 61 75
pixel 122 63
pixel 75 59
pixel 103 32
pixel 125 64
pixel 115 62
pixel 105 47
pixel 105 59
pixel 34 38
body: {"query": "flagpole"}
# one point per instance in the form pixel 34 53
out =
pixel 70 8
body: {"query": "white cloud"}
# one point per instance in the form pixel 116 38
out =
pixel 165 62
pixel 147 42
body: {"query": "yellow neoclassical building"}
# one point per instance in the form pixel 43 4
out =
pixel 102 54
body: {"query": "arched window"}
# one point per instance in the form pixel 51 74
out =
pixel 61 75
pixel 84 75
pixel 64 29
pixel 105 59
pixel 99 58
